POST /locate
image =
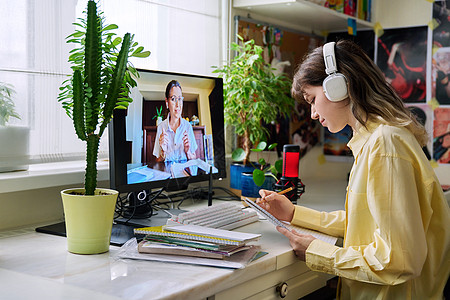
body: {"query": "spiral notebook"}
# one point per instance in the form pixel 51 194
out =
pixel 200 233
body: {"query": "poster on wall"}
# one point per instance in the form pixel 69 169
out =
pixel 441 135
pixel 402 57
pixel 440 73
pixel 335 145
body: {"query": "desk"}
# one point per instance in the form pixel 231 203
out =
pixel 37 266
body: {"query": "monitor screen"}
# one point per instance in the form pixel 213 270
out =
pixel 171 135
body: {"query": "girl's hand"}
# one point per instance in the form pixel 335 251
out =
pixel 299 242
pixel 163 140
pixel 277 205
pixel 186 143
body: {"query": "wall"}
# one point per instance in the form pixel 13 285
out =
pixel 402 13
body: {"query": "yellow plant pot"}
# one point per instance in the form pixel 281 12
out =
pixel 88 219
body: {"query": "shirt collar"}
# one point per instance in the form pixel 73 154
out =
pixel 360 137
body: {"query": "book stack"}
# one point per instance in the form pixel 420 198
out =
pixel 196 241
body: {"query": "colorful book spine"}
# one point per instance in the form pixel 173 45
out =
pixel 340 6
pixel 362 9
pixel 350 7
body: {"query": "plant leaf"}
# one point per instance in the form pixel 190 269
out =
pixel 238 154
pixel 258 177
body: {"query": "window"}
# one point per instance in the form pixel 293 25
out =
pixel 183 36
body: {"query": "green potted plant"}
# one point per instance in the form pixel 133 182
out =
pixel 253 94
pixel 158 116
pixel 263 169
pixel 14 153
pixel 100 83
pixel 261 174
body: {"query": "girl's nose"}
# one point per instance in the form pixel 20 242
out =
pixel 314 114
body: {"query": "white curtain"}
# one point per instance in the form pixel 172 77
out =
pixel 183 36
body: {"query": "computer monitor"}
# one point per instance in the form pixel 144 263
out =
pixel 133 133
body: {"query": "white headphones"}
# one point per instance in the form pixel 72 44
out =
pixel 335 85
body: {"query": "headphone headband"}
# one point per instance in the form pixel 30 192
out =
pixel 329 58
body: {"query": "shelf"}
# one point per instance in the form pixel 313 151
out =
pixel 301 13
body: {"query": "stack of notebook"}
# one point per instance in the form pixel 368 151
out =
pixel 196 241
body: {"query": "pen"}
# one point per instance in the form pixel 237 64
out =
pixel 285 191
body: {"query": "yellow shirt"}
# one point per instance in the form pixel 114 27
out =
pixel 396 225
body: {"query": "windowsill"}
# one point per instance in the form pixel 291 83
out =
pixel 49 175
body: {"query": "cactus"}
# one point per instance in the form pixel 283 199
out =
pixel 100 83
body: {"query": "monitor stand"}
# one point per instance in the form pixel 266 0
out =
pixel 158 218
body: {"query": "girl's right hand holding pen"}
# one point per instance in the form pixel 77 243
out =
pixel 277 205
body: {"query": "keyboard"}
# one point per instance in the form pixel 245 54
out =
pixel 225 215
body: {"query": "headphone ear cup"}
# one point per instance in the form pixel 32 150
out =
pixel 335 87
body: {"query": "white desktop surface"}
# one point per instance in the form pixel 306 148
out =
pixel 38 266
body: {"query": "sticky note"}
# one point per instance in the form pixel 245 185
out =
pixel 433 103
pixel 434 49
pixel 433 24
pixel 431 1
pixel 321 159
pixel 378 29
pixel 351 26
pixel 434 163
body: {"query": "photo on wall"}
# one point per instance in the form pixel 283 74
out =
pixel 335 145
pixel 402 57
pixel 441 135
pixel 440 73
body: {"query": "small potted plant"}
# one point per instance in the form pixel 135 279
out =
pixel 100 83
pixel 14 153
pixel 158 116
pixel 253 94
pixel 264 175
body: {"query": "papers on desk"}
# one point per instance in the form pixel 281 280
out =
pixel 193 244
pixel 236 261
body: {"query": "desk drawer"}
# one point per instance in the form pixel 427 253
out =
pixel 299 279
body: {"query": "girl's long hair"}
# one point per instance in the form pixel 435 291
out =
pixel 371 97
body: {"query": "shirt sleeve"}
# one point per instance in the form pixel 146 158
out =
pixel 332 223
pixel 193 144
pixel 398 249
pixel 156 148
